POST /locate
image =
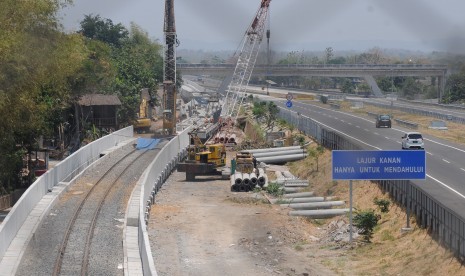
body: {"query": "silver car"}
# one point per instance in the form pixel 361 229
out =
pixel 412 140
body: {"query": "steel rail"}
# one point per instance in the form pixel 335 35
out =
pixel 61 251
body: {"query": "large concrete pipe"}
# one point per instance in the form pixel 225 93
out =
pixel 246 180
pixel 287 201
pixel 221 140
pixel 253 179
pixel 278 153
pixel 234 185
pixel 232 139
pixel 289 190
pixel 238 178
pixel 290 181
pixel 261 171
pixel 266 181
pixel 314 205
pixel 261 180
pixel 281 158
pixel 275 149
pixel 288 175
pixel 317 214
pixel 296 195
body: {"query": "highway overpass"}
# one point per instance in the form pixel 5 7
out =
pixel 367 71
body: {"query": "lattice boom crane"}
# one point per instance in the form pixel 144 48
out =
pixel 169 68
pixel 246 60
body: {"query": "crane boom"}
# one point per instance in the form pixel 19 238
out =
pixel 169 70
pixel 246 60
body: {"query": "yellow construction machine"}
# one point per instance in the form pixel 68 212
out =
pixel 202 159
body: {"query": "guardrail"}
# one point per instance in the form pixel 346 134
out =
pixel 335 106
pixel 408 124
pixel 446 226
pixel 371 114
pixel 422 112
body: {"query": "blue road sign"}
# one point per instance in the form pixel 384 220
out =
pixel 378 164
pixel 289 104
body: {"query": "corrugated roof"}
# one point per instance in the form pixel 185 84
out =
pixel 99 99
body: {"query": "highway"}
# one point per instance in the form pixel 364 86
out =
pixel 445 164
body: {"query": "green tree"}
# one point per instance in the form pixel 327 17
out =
pixel 348 86
pixel 410 88
pixel 455 88
pixel 329 54
pixel 31 97
pixel 96 28
pixel 272 111
pixel 139 65
pixel 366 222
pixel 259 109
pixel 315 153
pixel 363 87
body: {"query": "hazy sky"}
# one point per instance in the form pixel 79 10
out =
pixel 424 25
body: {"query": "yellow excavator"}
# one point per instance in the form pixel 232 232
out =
pixel 144 121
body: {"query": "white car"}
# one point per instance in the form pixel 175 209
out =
pixel 412 140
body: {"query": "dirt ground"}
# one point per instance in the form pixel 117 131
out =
pixel 201 228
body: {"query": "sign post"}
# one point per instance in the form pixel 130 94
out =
pixel 378 165
pixel 350 212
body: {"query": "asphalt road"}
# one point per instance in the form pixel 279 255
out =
pixel 445 162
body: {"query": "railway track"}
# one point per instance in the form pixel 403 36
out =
pixel 74 251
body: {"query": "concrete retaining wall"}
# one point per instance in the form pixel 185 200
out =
pixel 62 172
pixel 151 181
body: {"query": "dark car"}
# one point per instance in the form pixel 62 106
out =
pixel 383 121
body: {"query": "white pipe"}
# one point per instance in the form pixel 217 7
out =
pixel 282 159
pixel 295 195
pixel 271 149
pixel 287 201
pixel 320 213
pixel 288 174
pixel 314 205
pixel 278 153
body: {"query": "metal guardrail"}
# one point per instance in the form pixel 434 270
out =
pixel 408 124
pixel 335 106
pixel 444 225
pixel 371 114
pixel 422 112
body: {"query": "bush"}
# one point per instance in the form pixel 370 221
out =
pixel 383 204
pixel 366 222
pixel 274 189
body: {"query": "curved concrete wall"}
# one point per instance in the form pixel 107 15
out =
pixel 152 180
pixel 62 172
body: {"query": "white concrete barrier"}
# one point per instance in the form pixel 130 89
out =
pixel 62 172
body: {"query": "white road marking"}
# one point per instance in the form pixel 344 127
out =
pixel 350 123
pixel 343 121
pixel 387 137
pixel 446 161
pixel 376 133
pixel 462 169
pixel 453 190
pixel 357 126
pixel 429 153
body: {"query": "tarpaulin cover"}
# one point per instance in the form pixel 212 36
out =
pixel 145 143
